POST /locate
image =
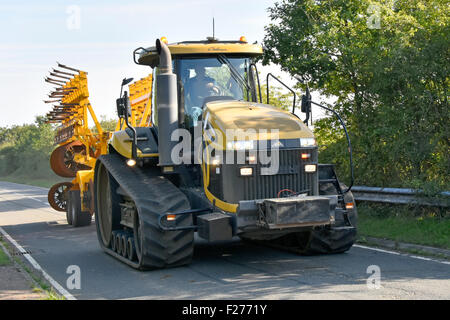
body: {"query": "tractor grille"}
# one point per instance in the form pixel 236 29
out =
pixel 291 175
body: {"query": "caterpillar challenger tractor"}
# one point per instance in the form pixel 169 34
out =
pixel 215 161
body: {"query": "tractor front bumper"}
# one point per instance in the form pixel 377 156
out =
pixel 285 213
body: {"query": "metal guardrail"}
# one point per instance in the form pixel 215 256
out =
pixel 400 196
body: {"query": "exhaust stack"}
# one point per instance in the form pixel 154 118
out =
pixel 167 104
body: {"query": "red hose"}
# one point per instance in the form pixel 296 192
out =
pixel 278 195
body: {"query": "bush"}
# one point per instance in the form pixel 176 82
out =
pixel 25 152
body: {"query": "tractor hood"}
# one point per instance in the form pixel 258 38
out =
pixel 264 119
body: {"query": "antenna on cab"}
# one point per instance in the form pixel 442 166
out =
pixel 213 38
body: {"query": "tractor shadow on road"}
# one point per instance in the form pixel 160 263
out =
pixel 255 268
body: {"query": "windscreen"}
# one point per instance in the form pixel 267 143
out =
pixel 205 79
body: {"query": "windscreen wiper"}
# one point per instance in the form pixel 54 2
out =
pixel 234 73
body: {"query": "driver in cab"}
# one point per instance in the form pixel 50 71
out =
pixel 197 89
pixel 200 86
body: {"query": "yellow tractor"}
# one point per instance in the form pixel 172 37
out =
pixel 213 159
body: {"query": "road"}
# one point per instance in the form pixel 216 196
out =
pixel 224 270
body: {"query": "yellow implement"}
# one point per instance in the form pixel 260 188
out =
pixel 78 145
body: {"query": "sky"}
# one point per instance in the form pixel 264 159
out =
pixel 99 37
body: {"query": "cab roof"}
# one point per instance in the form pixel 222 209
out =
pixel 149 56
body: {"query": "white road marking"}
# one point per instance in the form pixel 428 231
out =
pixel 41 201
pixel 31 197
pixel 376 249
pixel 36 265
pixel 402 254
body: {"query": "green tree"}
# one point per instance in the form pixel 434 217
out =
pixel 387 62
pixel 106 124
pixel 278 97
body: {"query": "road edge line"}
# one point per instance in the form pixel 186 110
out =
pixel 36 265
pixel 402 254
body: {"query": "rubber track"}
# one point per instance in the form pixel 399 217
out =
pixel 153 195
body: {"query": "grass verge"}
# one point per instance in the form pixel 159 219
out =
pixel 424 226
pixel 4 259
pixel 39 284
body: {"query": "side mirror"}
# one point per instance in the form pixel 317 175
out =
pixel 306 105
pixel 123 106
pixel 126 81
pixel 306 102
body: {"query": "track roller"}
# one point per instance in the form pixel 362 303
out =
pixel 123 244
pixel 131 252
pixel 118 242
pixel 113 241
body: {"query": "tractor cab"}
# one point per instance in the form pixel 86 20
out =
pixel 207 71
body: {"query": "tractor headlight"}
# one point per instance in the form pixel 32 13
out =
pixel 246 171
pixel 131 162
pixel 310 168
pixel 216 161
pixel 241 145
pixel 308 142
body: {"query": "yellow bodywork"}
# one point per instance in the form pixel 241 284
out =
pixel 253 121
pixel 151 58
pixel 83 179
pixel 121 142
pixel 206 163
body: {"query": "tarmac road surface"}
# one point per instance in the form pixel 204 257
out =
pixel 224 270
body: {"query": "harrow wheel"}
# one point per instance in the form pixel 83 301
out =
pixel 77 217
pixel 62 159
pixel 58 195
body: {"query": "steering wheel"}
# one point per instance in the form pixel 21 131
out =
pixel 215 90
pixel 197 95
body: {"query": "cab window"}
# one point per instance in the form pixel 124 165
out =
pixel 203 79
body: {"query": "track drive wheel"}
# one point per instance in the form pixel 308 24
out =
pixel 107 213
pixel 77 217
